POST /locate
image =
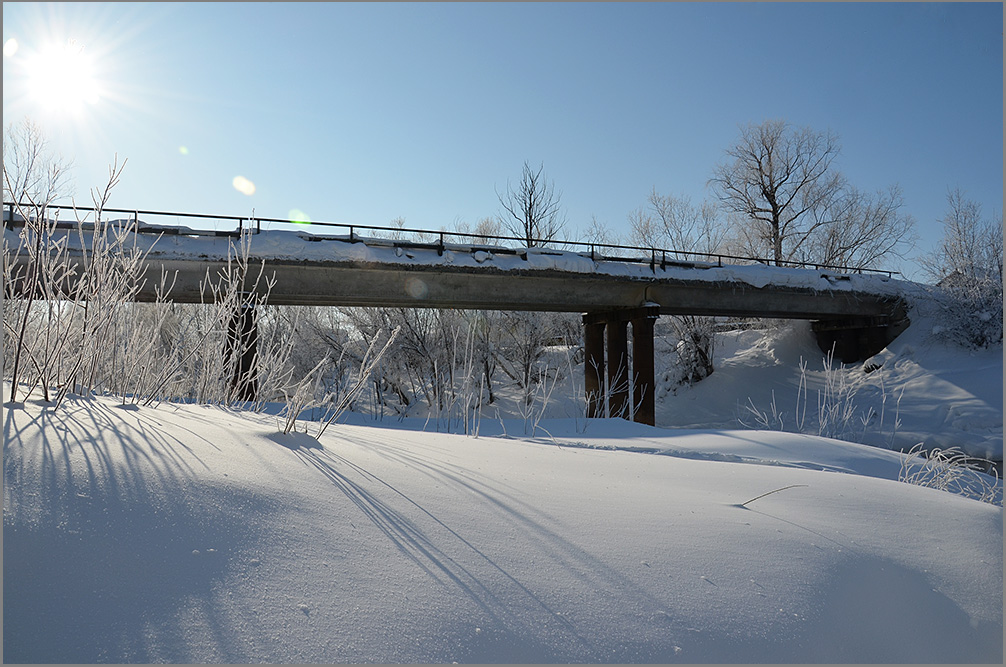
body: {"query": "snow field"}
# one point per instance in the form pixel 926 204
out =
pixel 395 545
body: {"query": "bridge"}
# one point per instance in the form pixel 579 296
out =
pixel 618 289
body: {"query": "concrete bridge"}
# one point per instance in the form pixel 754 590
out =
pixel 856 315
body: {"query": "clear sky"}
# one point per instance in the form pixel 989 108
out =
pixel 362 113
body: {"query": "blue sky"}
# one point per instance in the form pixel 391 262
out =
pixel 367 112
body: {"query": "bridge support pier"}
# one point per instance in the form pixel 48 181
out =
pixel 593 368
pixel 242 343
pixel 619 394
pixel 643 381
pixel 625 399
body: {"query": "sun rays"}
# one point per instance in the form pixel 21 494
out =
pixel 62 77
pixel 59 79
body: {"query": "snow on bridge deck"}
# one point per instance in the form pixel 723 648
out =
pixel 337 270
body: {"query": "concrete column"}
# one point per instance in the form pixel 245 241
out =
pixel 619 396
pixel 593 368
pixel 242 343
pixel 643 381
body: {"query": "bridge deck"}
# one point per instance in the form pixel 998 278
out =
pixel 337 271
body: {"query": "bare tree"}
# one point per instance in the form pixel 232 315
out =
pixel 487 229
pixel 862 230
pixel 967 266
pixel 644 229
pixel 971 244
pixel 774 177
pixel 531 209
pixel 675 223
pixel 523 339
pixel 484 233
pixel 599 232
pixel 33 175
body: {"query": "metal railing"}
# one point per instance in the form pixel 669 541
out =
pixel 654 257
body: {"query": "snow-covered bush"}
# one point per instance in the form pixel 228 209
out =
pixel 696 345
pixel 371 359
pixel 70 321
pixel 968 311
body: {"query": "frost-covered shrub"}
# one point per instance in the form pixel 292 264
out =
pixel 967 267
pixel 969 311
pixel 952 471
pixel 831 410
pixel 694 350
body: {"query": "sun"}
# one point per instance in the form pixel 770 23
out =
pixel 61 78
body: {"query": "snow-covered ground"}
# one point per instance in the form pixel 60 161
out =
pixel 942 396
pixel 200 534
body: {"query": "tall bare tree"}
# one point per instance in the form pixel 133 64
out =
pixel 33 178
pixel 774 177
pixel 531 208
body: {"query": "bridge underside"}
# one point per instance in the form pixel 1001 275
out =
pixel 853 323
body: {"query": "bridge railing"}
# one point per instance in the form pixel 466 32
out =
pixel 439 240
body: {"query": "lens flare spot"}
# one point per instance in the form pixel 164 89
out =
pixel 243 185
pixel 10 48
pixel 184 150
pixel 416 288
pixel 298 216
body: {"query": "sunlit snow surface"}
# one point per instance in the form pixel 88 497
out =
pixel 196 534
pixel 917 391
